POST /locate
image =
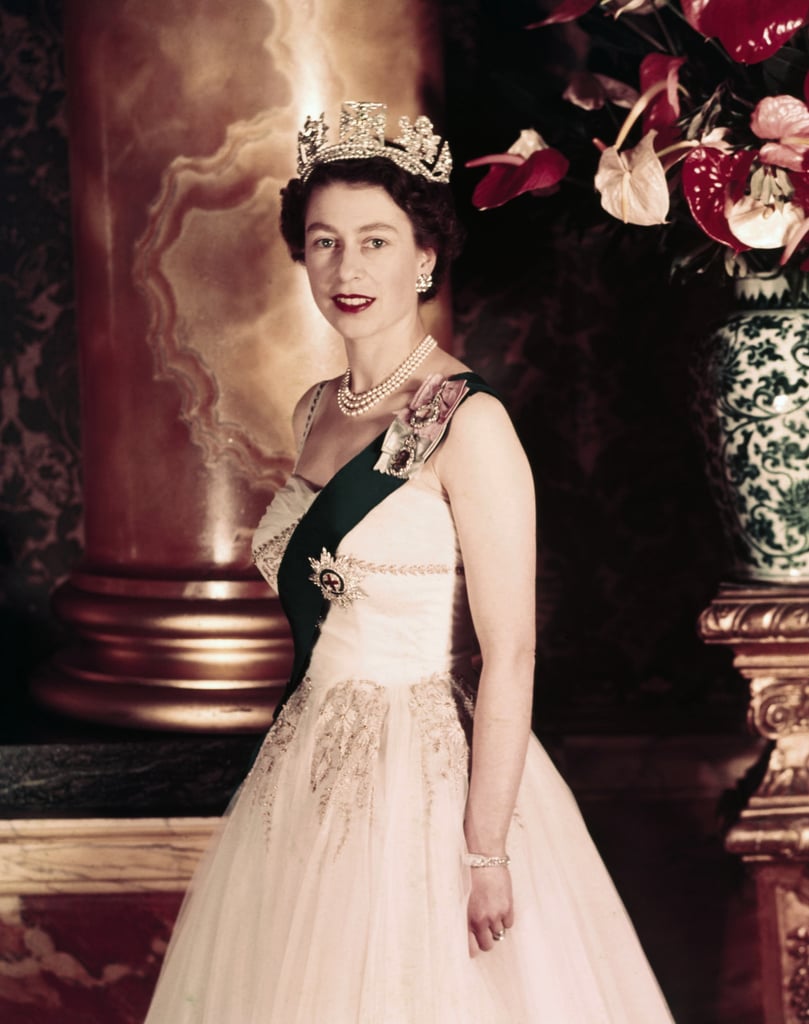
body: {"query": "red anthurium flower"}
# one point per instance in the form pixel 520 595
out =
pixel 591 91
pixel 750 30
pixel 794 240
pixel 801 199
pixel 529 166
pixel 786 119
pixel 709 176
pixel 664 109
pixel 800 183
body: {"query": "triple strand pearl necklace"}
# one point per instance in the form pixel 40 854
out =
pixel 350 404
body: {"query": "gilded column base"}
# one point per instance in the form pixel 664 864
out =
pixel 200 655
pixel 777 849
pixel 767 628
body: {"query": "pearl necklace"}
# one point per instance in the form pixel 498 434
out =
pixel 350 404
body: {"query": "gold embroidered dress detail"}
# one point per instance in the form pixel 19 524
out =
pixel 347 741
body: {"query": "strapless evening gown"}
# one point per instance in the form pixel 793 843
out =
pixel 335 892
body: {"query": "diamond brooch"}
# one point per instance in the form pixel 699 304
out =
pixel 338 578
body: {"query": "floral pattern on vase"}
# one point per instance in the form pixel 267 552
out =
pixel 753 408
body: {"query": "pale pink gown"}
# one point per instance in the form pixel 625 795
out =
pixel 336 890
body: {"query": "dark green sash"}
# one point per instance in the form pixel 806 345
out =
pixel 345 500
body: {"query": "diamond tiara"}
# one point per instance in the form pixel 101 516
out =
pixel 362 135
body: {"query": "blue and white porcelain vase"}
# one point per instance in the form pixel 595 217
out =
pixel 752 402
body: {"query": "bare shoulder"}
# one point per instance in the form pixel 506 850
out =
pixel 477 417
pixel 481 445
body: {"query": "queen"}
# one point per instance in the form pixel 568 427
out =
pixel 402 850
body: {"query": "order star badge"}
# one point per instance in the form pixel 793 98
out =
pixel 338 577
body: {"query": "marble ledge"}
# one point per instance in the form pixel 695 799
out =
pixel 197 776
pixel 150 776
pixel 116 855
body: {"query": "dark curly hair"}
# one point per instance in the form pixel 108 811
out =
pixel 428 204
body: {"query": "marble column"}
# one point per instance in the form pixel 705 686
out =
pixel 767 627
pixel 196 331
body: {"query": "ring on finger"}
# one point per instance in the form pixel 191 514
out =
pixel 497 936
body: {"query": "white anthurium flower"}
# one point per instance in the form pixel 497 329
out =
pixel 717 138
pixel 633 183
pixel 528 142
pixel 764 225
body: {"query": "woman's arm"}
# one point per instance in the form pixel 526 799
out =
pixel 486 474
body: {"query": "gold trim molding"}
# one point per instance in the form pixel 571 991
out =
pixel 767 628
pixel 757 613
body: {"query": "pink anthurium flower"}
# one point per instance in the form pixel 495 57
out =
pixel 706 181
pixel 633 183
pixel 591 91
pixel 785 119
pixel 750 30
pixel 530 165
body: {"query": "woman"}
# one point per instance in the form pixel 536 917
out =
pixel 402 851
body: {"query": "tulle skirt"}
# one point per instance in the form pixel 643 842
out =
pixel 335 891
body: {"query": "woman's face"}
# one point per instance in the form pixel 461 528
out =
pixel 362 259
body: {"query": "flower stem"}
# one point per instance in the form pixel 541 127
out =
pixel 680 148
pixel 675 147
pixel 640 105
pixel 496 158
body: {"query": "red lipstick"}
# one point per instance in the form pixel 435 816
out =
pixel 352 303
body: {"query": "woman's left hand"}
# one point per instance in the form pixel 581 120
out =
pixel 491 908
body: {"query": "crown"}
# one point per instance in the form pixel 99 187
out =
pixel 362 134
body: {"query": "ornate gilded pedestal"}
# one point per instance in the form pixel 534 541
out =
pixel 768 629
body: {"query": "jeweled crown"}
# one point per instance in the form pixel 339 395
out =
pixel 362 134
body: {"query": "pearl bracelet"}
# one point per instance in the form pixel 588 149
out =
pixel 480 860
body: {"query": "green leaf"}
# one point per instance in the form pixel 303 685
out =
pixel 785 71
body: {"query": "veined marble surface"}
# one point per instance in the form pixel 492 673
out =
pixel 64 856
pixel 82 959
pixel 130 776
